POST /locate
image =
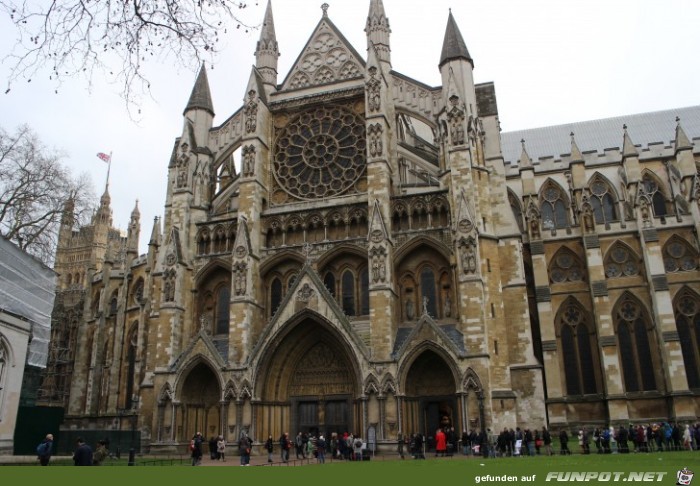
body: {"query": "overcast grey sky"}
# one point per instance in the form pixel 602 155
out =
pixel 551 61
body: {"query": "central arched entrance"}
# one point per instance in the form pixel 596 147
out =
pixel 310 383
pixel 430 395
pixel 200 397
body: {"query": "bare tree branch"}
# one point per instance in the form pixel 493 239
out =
pixel 34 187
pixel 116 37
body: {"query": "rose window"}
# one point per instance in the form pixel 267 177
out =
pixel 321 153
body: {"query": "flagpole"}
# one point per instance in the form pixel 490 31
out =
pixel 109 167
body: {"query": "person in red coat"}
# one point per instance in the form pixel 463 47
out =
pixel 440 443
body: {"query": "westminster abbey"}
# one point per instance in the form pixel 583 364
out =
pixel 354 250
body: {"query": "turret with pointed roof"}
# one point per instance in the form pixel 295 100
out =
pixel 200 98
pixel 453 46
pixel 267 51
pixel 378 32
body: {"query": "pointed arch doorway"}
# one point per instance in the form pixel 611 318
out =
pixel 430 401
pixel 199 398
pixel 310 383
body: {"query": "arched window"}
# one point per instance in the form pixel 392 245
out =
pixel 203 242
pixel 275 295
pixel 688 324
pixel 427 289
pixel 603 202
pixel 348 293
pixel 679 256
pixel 579 364
pixel 658 201
pixel 329 282
pixel 620 261
pixel 635 350
pixel 113 305
pixel 223 299
pixel 517 210
pixel 4 358
pixel 565 267
pixel 364 292
pixel 131 368
pixel 553 208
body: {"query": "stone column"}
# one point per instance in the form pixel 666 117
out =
pixel 399 412
pixel 173 422
pixel 382 416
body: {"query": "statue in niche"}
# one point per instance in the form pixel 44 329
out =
pixel 469 259
pixel 410 312
pixel 425 305
pixel 457 132
pixel 588 222
pixel 534 229
pixel 447 307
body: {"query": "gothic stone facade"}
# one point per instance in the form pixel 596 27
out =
pixel 350 251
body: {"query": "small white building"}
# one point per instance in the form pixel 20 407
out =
pixel 26 299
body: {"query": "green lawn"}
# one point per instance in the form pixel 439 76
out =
pixel 660 467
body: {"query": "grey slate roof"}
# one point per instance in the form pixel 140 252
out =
pixel 598 135
pixel 201 96
pixel 453 46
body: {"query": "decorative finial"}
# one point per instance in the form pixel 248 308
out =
pixel 678 119
pixel 307 249
pixel 624 127
pixel 324 7
pixel 522 142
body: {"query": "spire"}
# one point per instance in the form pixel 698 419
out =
pixel 378 31
pixel 525 160
pixel 576 155
pixel 68 212
pixel 135 213
pixel 155 233
pixel 134 230
pixel 454 47
pixel 200 98
pixel 267 51
pixel 628 148
pixel 682 140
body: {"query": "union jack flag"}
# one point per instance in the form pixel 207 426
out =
pixel 104 157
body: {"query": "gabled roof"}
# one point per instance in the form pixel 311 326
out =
pixel 598 135
pixel 327 57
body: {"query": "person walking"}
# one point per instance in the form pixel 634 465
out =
pixel 284 447
pixel 83 454
pixel 221 449
pixel 244 444
pixel 321 450
pixel 196 449
pixel 45 449
pixel 440 443
pixel 564 443
pixel 269 447
pixel 100 453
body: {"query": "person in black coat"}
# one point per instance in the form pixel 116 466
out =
pixel 83 454
pixel 564 442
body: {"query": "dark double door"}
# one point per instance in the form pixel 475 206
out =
pixel 323 416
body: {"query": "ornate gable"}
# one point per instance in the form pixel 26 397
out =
pixel 309 294
pixel 327 58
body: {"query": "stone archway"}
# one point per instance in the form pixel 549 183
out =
pixel 430 396
pixel 199 401
pixel 308 383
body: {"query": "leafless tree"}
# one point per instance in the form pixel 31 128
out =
pixel 116 37
pixel 34 187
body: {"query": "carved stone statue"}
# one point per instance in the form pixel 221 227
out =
pixel 447 307
pixel 410 311
pixel 425 305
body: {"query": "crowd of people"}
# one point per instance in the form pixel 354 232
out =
pixel 83 455
pixel 655 437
